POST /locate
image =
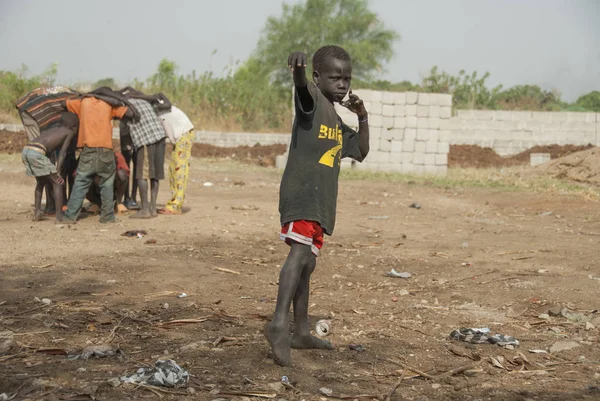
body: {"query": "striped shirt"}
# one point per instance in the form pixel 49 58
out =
pixel 149 129
pixel 44 104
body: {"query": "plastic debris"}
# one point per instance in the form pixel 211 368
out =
pixel 165 373
pixel 182 295
pixel 394 273
pixel 134 233
pixel 98 351
pixel 208 184
pixel 326 391
pixel 46 301
pixel 356 347
pixel 480 337
pixel 415 206
pixel 378 217
pixel 467 264
pixel 323 328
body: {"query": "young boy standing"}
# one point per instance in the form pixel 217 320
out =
pixel 308 192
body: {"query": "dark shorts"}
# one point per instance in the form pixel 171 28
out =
pixel 153 167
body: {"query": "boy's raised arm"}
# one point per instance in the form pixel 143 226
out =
pixel 63 151
pixel 297 63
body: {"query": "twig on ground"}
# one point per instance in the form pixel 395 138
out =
pixel 407 367
pixel 393 390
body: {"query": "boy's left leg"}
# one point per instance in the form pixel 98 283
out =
pixel 154 184
pixel 57 187
pixel 40 183
pixel 302 339
pixel 106 171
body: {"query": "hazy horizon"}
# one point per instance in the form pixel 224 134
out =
pixel 554 44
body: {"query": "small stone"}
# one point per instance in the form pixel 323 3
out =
pixel 7 341
pixel 278 387
pixel 36 299
pixel 46 301
pixel 589 326
pixel 596 376
pixel 403 292
pixel 394 299
pixel 436 386
pixel 81 370
pixel 115 382
pixel 544 316
pixel 191 390
pixel 166 306
pixel 563 346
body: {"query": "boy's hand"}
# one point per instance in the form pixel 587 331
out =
pixel 297 60
pixel 355 105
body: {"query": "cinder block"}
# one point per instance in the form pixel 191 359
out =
pixel 419 169
pixel 365 94
pixel 431 146
pixel 399 110
pixel 374 143
pixel 400 122
pixel 434 122
pixel 411 110
pixel 420 147
pixel 429 159
pixel 408 145
pixel 589 117
pixel 411 98
pixel 407 168
pixel 434 111
pixel 388 98
pixel 484 115
pixel 388 110
pixel 376 108
pixel 434 135
pixel 411 122
pixel 466 114
pixel 388 122
pixel 418 158
pixel 376 96
pixel 542 116
pixel 397 134
pixel 443 148
pixel 374 132
pixel 410 133
pixel 422 134
pixel 376 121
pixel 445 124
pixel 422 111
pixel 558 117
pixel 424 99
pixel 379 156
pixel 396 146
pixel 444 99
pixel 400 98
pixel 521 115
pixel 445 112
pixel 422 122
pixel 386 133
pixel 347 164
pixel 391 167
pixel 395 158
pixel 441 159
pixel 385 145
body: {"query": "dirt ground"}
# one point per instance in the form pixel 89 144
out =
pixel 478 257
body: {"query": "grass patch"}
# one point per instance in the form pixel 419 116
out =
pixel 503 180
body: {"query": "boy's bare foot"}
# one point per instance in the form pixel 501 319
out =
pixel 39 216
pixel 280 343
pixel 141 214
pixel 309 342
pixel 154 213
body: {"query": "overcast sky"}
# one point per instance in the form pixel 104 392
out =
pixel 551 43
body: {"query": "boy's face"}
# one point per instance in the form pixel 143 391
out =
pixel 334 79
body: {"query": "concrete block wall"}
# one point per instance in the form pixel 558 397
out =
pixel 405 132
pixel 512 132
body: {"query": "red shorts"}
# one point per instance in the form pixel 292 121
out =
pixel 303 232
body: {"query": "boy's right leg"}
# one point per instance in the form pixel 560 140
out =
pixel 276 331
pixel 40 183
pixel 58 196
pixel 106 170
pixel 83 180
pixel 144 212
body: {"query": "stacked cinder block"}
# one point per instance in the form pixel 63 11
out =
pixel 405 131
pixel 511 132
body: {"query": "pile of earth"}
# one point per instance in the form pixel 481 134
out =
pixel 12 142
pixel 478 157
pixel 581 167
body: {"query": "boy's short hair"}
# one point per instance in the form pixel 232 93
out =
pixel 326 53
pixel 69 119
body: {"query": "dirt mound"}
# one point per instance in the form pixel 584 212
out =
pixel 581 167
pixel 12 142
pixel 478 157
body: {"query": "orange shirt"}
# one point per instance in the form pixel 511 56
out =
pixel 95 121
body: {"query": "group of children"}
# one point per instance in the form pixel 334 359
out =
pixel 58 121
pixel 309 186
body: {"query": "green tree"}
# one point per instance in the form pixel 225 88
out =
pixel 313 23
pixel 528 97
pixel 590 101
pixel 110 82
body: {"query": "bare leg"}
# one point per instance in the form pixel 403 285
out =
pixel 144 212
pixel 302 339
pixel 39 189
pixel 49 209
pixel 154 184
pixel 121 183
pixel 58 196
pixel 276 331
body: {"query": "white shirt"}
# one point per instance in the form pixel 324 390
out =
pixel 176 123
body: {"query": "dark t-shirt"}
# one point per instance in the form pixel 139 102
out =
pixel 320 140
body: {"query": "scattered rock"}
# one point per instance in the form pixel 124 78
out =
pixel 191 390
pixel 166 306
pixel 278 387
pixel 81 370
pixel 436 386
pixel 7 341
pixel 563 346
pixel 544 316
pixel 46 301
pixel 589 326
pixel 115 382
